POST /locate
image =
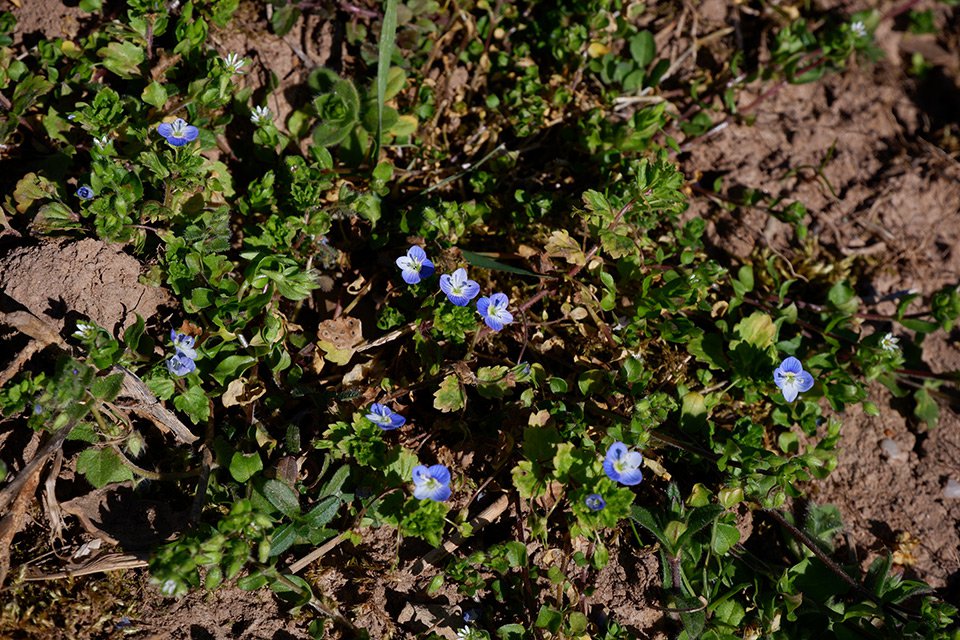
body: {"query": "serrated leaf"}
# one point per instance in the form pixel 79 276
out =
pixel 154 94
pixel 449 397
pixel 561 245
pixel 107 388
pixel 122 58
pixel 102 467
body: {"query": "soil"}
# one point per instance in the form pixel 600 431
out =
pixel 94 279
pixel 863 150
pixel 858 151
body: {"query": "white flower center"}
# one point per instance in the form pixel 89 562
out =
pixel 179 128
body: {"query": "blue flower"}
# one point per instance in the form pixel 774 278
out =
pixel 792 379
pixel 85 193
pixel 180 365
pixel 494 312
pixel 595 502
pixel 416 265
pixel 179 133
pixel 623 465
pixel 184 344
pixel 385 418
pixel 431 483
pixel 459 289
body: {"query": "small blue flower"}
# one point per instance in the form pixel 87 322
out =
pixel 623 465
pixel 494 312
pixel 792 379
pixel 180 365
pixel 459 289
pixel 595 502
pixel 85 193
pixel 184 344
pixel 416 265
pixel 179 133
pixel 384 417
pixel 431 483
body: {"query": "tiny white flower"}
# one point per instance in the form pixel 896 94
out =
pixel 464 633
pixel 889 343
pixel 169 588
pixel 84 331
pixel 260 114
pixel 234 63
pixel 859 29
pixel 101 142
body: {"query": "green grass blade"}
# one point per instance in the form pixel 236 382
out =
pixel 388 37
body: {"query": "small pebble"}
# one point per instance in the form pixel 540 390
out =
pixel 952 490
pixel 892 450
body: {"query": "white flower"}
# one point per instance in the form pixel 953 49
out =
pixel 890 343
pixel 84 331
pixel 169 588
pixel 101 142
pixel 260 114
pixel 859 29
pixel 234 63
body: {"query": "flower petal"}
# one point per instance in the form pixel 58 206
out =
pixel 790 392
pixel 440 472
pixel 190 133
pixel 631 477
pixel 420 474
pixel 791 365
pixel 417 253
pixel 616 451
pixel 410 276
pixel 609 469
pixel 165 129
pixel 633 459
pixel 426 269
pixel 493 322
pixel 483 306
pixel 471 289
pixel 805 381
pixel 445 283
pixel 500 300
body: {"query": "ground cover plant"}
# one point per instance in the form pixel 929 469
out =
pixel 448 330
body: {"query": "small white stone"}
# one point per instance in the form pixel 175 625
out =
pixel 892 450
pixel 952 490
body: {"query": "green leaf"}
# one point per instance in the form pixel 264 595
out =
pixel 282 497
pixel 757 329
pixel 926 409
pixel 697 520
pixel 122 58
pixel 244 465
pixel 549 619
pixel 483 262
pixel 642 48
pixel 643 517
pixel 107 388
pixel 321 515
pixel 449 397
pixel 194 403
pixel 335 484
pixel 232 367
pixel 724 536
pixel 154 94
pixel 103 466
pixel 388 36
pixel 252 582
pixel 493 382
